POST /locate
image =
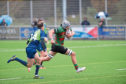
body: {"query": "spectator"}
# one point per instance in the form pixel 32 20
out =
pixel 3 28
pixel 3 23
pixel 85 22
pixel 101 24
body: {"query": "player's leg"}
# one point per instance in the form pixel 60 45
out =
pixel 44 55
pixel 38 61
pixel 73 57
pixel 69 52
pixel 14 58
pixel 30 62
pixel 74 61
pixel 41 66
pixel 30 57
pixel 34 63
pixel 48 57
pixel 52 52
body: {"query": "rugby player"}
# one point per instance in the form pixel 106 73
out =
pixel 31 50
pixel 57 46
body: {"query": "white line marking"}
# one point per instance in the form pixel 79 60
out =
pixel 11 78
pixel 121 69
pixel 79 79
pixel 104 45
pixel 93 46
pixel 11 50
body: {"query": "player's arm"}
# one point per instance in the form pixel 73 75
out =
pixel 46 39
pixel 28 40
pixel 42 41
pixel 100 23
pixel 70 34
pixel 51 32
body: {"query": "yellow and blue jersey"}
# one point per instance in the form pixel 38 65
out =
pixel 36 38
pixel 35 43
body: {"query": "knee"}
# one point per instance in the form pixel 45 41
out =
pixel 48 59
pixel 29 65
pixel 73 54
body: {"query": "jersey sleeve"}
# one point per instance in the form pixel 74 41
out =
pixel 42 35
pixel 42 42
pixel 58 30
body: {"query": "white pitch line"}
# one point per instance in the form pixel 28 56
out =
pixel 93 46
pixel 11 50
pixel 104 45
pixel 121 69
pixel 11 78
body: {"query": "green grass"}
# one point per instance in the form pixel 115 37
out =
pixel 102 59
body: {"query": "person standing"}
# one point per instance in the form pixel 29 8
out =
pixel 85 22
pixel 3 26
pixel 101 25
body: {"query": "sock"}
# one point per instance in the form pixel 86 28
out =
pixel 21 61
pixel 76 66
pixel 34 62
pixel 37 69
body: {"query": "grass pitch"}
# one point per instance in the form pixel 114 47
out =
pixel 105 62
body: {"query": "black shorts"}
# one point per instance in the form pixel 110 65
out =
pixel 59 49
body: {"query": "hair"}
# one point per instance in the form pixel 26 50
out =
pixel 40 19
pixel 40 24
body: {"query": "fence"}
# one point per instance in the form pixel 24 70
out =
pixel 54 11
pixel 88 32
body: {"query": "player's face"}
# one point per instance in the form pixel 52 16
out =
pixel 40 22
pixel 68 27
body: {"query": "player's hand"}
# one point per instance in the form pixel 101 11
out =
pixel 52 41
pixel 68 36
pixel 46 40
pixel 27 42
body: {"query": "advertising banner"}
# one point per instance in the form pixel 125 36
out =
pixel 25 32
pixel 85 32
pixel 112 32
pixel 9 32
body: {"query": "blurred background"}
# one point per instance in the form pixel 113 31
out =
pixel 54 12
pixel 23 11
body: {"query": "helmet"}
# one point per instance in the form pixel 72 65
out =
pixel 65 24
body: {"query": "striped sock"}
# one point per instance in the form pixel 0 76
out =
pixel 76 66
